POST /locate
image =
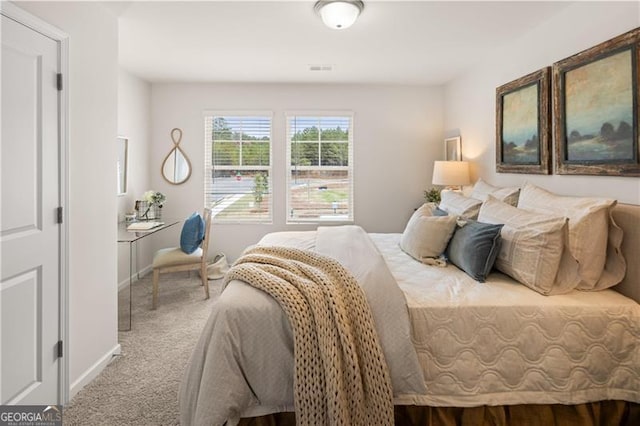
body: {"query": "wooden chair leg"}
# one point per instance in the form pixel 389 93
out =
pixel 205 280
pixel 156 277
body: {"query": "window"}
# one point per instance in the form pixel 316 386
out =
pixel 238 166
pixel 320 175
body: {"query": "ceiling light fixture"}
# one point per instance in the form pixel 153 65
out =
pixel 339 14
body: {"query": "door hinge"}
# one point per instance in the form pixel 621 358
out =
pixel 59 348
pixel 59 214
pixel 59 81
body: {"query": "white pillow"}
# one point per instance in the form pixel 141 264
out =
pixel 507 194
pixel 589 224
pixel 457 204
pixel 533 247
pixel 426 236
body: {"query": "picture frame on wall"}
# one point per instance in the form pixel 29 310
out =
pixel 595 106
pixel 453 149
pixel 523 124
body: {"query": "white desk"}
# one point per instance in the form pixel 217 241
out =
pixel 131 237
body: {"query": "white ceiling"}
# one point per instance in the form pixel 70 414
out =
pixel 395 42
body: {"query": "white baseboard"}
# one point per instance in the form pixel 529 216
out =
pixel 93 371
pixel 144 271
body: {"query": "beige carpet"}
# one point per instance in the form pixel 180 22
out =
pixel 141 386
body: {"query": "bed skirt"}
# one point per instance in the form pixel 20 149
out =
pixel 602 413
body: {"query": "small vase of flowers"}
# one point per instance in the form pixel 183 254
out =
pixel 154 201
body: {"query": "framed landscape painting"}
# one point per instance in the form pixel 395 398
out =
pixel 523 130
pixel 595 105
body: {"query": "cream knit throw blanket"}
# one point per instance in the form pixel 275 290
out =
pixel 341 377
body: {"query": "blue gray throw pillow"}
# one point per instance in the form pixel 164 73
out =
pixel 474 248
pixel 192 233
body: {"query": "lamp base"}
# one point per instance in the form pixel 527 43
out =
pixel 453 189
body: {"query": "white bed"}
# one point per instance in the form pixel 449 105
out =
pixel 493 343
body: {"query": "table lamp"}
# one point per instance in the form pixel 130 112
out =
pixel 451 174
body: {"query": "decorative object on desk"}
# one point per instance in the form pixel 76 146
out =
pixel 156 211
pixel 130 217
pixel 122 163
pixel 451 174
pixel 141 208
pixel 596 101
pixel 452 149
pixel 176 167
pixel 523 124
pixel 432 195
pixel 154 201
pixel 144 226
pixel 155 197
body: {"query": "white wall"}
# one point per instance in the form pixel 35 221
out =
pixel 93 88
pixel 470 99
pixel 397 132
pixel 134 123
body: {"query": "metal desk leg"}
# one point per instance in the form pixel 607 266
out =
pixel 125 325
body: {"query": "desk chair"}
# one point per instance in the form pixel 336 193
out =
pixel 174 260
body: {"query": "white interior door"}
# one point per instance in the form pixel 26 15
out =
pixel 29 229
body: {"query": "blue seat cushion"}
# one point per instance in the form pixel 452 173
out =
pixel 474 248
pixel 192 233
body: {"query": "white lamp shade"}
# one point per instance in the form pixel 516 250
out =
pixel 339 14
pixel 451 173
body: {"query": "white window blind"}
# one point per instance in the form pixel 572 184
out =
pixel 238 166
pixel 320 175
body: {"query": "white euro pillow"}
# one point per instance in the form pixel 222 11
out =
pixel 592 233
pixel 457 204
pixel 481 190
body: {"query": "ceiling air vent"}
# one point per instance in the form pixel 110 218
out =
pixel 320 67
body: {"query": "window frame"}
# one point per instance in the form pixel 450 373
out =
pixel 311 114
pixel 209 167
